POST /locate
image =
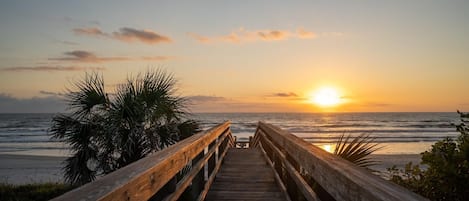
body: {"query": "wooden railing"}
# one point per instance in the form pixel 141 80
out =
pixel 167 174
pixel 307 172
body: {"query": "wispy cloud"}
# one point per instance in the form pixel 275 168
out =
pixel 302 33
pixel 91 31
pixel 50 68
pixel 145 36
pixel 88 57
pixel 49 93
pixel 282 94
pixel 204 99
pixel 243 35
pixel 273 35
pixel 156 58
pixel 126 34
pixel 65 42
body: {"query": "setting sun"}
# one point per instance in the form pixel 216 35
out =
pixel 326 97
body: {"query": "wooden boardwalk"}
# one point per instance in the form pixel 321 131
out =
pixel 245 175
pixel 277 166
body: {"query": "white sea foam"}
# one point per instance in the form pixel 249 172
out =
pixel 407 133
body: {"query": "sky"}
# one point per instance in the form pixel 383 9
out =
pixel 243 56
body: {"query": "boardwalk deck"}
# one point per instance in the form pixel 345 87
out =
pixel 277 166
pixel 245 175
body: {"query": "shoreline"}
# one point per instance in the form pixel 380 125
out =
pixel 27 169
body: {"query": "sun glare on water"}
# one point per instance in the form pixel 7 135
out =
pixel 326 97
pixel 327 148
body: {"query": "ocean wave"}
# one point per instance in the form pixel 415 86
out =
pixel 382 140
pixel 357 130
pixel 22 134
pixel 26 141
pixel 23 130
pixel 444 125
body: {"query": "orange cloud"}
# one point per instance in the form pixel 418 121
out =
pixel 243 35
pixel 85 56
pixel 145 36
pixel 283 94
pixel 126 34
pixel 302 33
pixel 205 99
pixel 89 57
pixel 89 31
pixel 273 35
pixel 233 37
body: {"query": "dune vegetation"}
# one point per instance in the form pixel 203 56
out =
pixel 447 174
pixel 30 192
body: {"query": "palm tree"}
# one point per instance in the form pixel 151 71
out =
pixel 357 149
pixel 106 132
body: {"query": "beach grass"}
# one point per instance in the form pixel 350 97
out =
pixel 36 192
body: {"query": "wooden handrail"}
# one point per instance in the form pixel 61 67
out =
pixel 142 179
pixel 295 159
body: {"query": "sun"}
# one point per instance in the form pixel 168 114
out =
pixel 326 97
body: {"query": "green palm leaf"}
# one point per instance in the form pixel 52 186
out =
pixel 143 116
pixel 357 149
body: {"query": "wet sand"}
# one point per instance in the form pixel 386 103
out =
pixel 25 169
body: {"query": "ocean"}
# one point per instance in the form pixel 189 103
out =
pixel 398 133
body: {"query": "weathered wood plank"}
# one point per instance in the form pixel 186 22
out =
pixel 186 181
pixel 343 180
pixel 142 179
pixel 245 196
pixel 279 181
pixel 210 180
pixel 246 177
pixel 301 184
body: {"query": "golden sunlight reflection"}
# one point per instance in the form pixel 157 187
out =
pixel 328 148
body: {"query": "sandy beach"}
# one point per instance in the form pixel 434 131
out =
pixel 24 169
pixel 387 161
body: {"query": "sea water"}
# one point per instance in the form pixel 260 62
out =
pixel 398 133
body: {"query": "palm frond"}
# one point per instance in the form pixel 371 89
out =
pixel 88 94
pixel 76 169
pixel 357 149
pixel 143 116
pixel 188 128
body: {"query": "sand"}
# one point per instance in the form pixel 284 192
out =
pixel 25 169
pixel 387 161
